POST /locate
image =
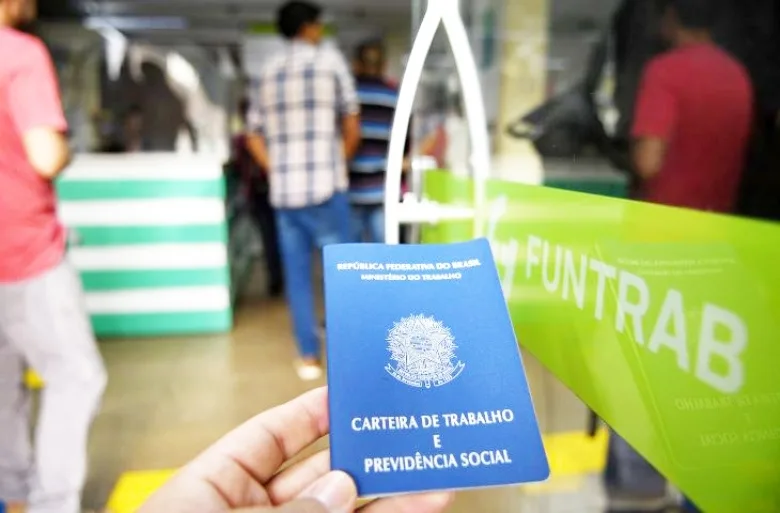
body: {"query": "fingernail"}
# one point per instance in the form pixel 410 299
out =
pixel 336 491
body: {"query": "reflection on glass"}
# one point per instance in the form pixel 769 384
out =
pixel 661 319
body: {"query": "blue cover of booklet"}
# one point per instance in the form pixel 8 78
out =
pixel 427 387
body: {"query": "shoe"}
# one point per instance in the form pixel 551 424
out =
pixel 309 371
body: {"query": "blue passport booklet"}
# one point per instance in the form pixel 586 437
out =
pixel 427 387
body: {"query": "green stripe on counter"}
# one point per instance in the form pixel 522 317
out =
pixel 99 281
pixel 83 190
pixel 161 325
pixel 132 235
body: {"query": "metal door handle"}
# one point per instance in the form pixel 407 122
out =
pixel 446 13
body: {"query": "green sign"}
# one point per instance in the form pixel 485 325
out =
pixel 664 321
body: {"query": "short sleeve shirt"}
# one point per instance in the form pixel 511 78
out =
pixel 299 102
pixel 31 239
pixel 699 100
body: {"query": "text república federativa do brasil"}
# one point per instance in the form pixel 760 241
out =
pixel 425 271
pixel 437 458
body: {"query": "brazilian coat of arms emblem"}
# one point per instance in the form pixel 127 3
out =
pixel 422 352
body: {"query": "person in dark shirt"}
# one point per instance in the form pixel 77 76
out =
pixel 128 137
pixel 378 98
pixel 693 117
pixel 255 180
pixel 133 130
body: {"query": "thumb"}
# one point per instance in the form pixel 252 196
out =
pixel 334 492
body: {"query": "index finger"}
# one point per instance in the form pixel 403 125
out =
pixel 263 444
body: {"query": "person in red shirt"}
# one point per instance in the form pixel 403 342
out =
pixel 693 117
pixel 43 321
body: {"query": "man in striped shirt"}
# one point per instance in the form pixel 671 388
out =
pixel 378 99
pixel 305 125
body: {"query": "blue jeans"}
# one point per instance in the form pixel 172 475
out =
pixel 368 223
pixel 301 232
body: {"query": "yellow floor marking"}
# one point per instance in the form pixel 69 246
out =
pixel 32 380
pixel 572 456
pixel 133 488
pixel 576 454
pixel 556 484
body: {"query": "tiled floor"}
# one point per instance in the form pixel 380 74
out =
pixel 168 399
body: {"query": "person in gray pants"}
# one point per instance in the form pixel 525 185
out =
pixel 43 319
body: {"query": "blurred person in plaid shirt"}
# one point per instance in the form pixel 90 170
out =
pixel 305 127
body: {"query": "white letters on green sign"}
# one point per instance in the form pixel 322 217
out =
pixel 633 301
pixel 605 272
pixel 584 280
pixel 729 350
pixel 574 280
pixel 670 329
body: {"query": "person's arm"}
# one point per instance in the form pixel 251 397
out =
pixel 255 144
pixel 36 110
pixel 255 140
pixel 647 156
pixel 349 107
pixel 655 119
pixel 47 151
pixel 350 128
pixel 429 143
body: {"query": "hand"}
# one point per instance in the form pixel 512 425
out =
pixel 255 144
pixel 407 166
pixel 241 472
